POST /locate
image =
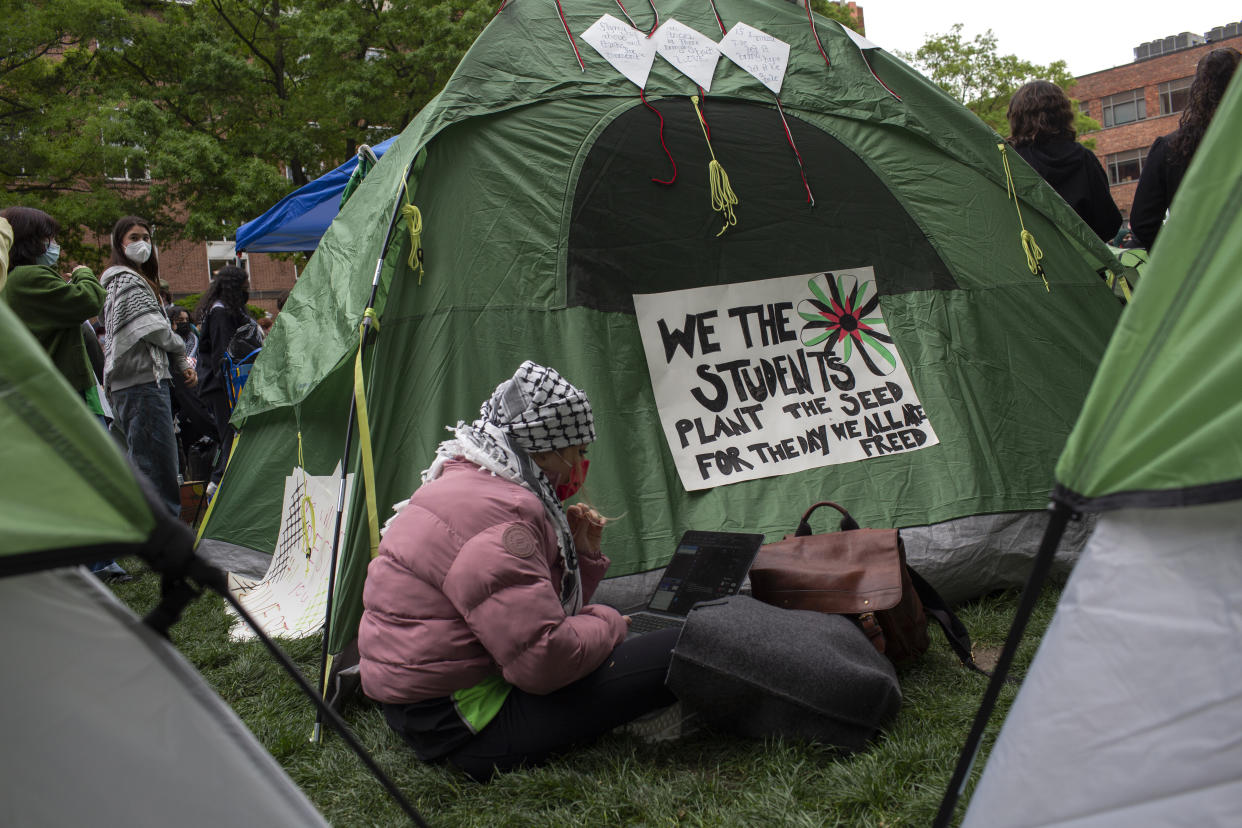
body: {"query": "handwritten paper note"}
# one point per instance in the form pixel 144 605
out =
pixel 758 53
pixel 290 601
pixel 695 55
pixel 629 51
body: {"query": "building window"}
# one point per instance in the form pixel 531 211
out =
pixel 1125 166
pixel 1174 95
pixel 1124 108
pixel 223 253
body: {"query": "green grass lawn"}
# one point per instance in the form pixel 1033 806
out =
pixel 703 779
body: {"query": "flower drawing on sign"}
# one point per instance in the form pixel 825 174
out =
pixel 848 314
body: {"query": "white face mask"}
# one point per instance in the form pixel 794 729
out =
pixel 138 251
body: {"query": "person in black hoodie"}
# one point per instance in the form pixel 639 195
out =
pixel 1041 127
pixel 220 312
pixel 1171 154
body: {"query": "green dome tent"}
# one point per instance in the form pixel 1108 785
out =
pixel 104 722
pixel 1131 710
pixel 541 220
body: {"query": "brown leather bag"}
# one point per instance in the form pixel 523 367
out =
pixel 860 573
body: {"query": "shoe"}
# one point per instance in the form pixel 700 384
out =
pixel 112 573
pixel 663 725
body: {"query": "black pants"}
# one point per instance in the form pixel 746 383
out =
pixel 218 401
pixel 530 730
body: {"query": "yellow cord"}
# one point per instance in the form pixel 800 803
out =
pixel 1029 246
pixel 364 444
pixel 723 197
pixel 414 223
pixel 308 505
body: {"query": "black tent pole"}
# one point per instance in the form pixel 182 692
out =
pixel 169 550
pixel 1059 517
pixel 349 433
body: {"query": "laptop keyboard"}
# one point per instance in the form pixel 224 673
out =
pixel 645 622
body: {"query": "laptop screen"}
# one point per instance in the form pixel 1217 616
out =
pixel 703 569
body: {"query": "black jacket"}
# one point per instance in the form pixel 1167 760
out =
pixel 217 329
pixel 1075 173
pixel 1162 175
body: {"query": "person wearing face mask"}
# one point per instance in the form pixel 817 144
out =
pixel 477 636
pixel 52 306
pixel 55 309
pixel 139 357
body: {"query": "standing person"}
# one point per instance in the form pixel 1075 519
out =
pixel 140 354
pixel 1041 130
pixel 477 636
pixel 56 310
pixel 221 311
pixel 1171 154
pixel 53 307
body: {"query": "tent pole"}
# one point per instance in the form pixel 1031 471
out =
pixel 317 732
pixel 321 707
pixel 1059 517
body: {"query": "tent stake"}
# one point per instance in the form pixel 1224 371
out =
pixel 367 318
pixel 1059 517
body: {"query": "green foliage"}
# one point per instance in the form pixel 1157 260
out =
pixel 973 73
pixel 835 11
pixel 701 779
pixel 216 99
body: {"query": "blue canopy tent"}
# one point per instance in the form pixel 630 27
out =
pixel 298 220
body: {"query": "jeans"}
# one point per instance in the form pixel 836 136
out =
pixel 144 414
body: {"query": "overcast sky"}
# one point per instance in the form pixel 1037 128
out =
pixel 1089 35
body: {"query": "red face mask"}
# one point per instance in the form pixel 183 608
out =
pixel 577 476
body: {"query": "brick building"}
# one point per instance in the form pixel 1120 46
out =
pixel 187 266
pixel 1140 101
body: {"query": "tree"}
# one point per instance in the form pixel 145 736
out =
pixel 198 115
pixel 835 11
pixel 973 73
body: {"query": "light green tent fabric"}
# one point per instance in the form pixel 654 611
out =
pixel 65 485
pixel 1163 422
pixel 495 165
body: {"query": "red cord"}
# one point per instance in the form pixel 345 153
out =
pixel 643 98
pixel 789 137
pixel 570 35
pixel 877 77
pixel 719 22
pixel 811 20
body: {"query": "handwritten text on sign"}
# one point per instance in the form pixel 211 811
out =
pixel 766 378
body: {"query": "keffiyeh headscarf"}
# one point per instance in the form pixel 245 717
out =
pixel 535 410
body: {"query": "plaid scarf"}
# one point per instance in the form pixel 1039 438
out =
pixel 130 312
pixel 535 410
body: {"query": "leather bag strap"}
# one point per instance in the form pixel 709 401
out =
pixel 804 528
pixel 954 630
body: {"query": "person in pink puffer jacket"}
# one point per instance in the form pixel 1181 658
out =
pixel 476 635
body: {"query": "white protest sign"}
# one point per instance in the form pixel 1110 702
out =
pixel 765 378
pixel 693 54
pixel 290 601
pixel 758 53
pixel 629 51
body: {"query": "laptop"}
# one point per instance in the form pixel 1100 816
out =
pixel 706 565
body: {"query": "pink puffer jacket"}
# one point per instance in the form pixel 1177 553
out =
pixel 466 585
